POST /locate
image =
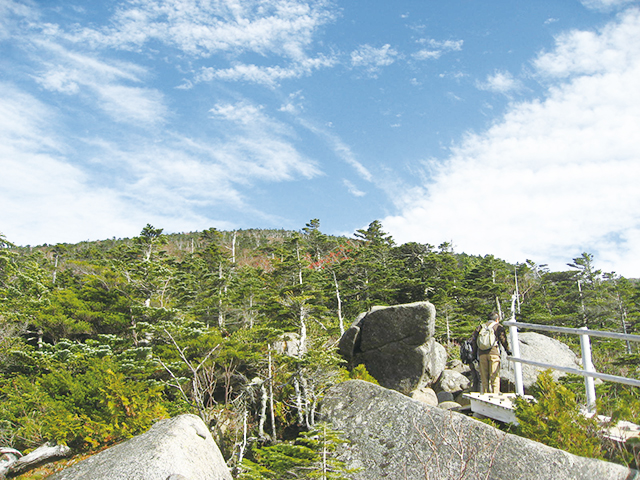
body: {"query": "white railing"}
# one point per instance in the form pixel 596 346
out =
pixel 588 371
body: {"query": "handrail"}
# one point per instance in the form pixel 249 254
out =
pixel 603 376
pixel 575 331
pixel 588 371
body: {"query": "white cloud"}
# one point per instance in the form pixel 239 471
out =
pixel 605 4
pixel 104 83
pixel 500 82
pixel 352 189
pixel 281 27
pixel 51 192
pixel 10 14
pixel 44 198
pixel 555 177
pixel 280 32
pixel 373 59
pixel 586 53
pixel 259 147
pixel 427 54
pixel 265 75
pixel 340 148
pixel 23 120
pixel 243 112
pixel 294 104
pixel 132 104
pixel 437 48
pixel 442 44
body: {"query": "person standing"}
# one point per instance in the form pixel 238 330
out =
pixel 489 337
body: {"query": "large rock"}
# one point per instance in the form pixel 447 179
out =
pixel 179 447
pixel 396 345
pixel 392 436
pixel 452 381
pixel 540 348
pixel 425 395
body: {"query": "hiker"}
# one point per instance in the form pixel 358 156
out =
pixel 489 336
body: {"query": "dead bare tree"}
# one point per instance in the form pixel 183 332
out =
pixel 202 382
pixel 16 464
pixel 453 452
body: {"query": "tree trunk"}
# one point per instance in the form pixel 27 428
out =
pixel 41 455
pixel 303 333
pixel 243 445
pixel 233 247
pixel 341 320
pixel 271 409
pixel 584 311
pixel 263 410
pixel 299 405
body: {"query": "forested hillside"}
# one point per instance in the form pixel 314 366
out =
pixel 100 339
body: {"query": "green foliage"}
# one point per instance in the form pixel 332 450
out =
pixel 84 408
pixel 555 420
pixel 359 372
pixel 620 403
pixel 312 455
pixel 187 322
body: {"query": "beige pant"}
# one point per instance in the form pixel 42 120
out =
pixel 489 373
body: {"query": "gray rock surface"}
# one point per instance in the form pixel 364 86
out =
pixel 445 396
pixel 449 405
pixel 177 448
pixel 538 347
pixel 425 395
pixel 435 361
pixel 457 366
pixel 396 346
pixel 395 437
pixel 452 381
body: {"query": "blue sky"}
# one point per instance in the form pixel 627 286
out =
pixel 506 127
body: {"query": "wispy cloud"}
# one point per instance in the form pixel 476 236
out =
pixel 548 178
pixel 105 83
pixel 11 13
pixel 281 32
pixel 259 146
pixel 605 4
pixel 120 185
pixel 352 189
pixel 436 48
pixel 341 149
pixel 373 59
pixel 280 27
pixel 44 196
pixel 500 82
pixel 265 75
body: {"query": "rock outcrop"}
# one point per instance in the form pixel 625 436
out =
pixel 393 436
pixel 534 346
pixel 396 345
pixel 452 381
pixel 176 448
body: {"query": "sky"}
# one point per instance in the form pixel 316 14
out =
pixel 509 127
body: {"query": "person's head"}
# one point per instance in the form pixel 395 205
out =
pixel 493 316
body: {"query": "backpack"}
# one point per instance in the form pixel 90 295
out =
pixel 487 336
pixel 467 354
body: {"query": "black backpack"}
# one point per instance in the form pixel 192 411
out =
pixel 467 351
